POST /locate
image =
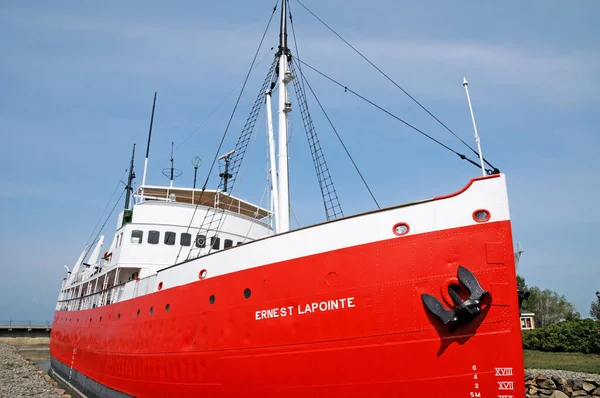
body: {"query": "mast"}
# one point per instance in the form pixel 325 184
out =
pixel 283 217
pixel 171 178
pixel 148 145
pixel 129 180
pixel 477 140
pixel 275 192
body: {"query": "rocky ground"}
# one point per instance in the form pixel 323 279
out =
pixel 21 378
pixel 561 384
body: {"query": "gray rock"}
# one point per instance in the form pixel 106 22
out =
pixel 546 384
pixel 558 394
pixel 561 373
pixel 579 393
pixel 588 387
pixel 21 378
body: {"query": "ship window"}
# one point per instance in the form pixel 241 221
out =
pixel 117 241
pixel 247 293
pixel 228 243
pixel 151 310
pixel 121 240
pixel 168 307
pixel 200 240
pixel 212 299
pixel 170 238
pixel 238 243
pixel 137 236
pixel 186 239
pixel 215 242
pixel 153 237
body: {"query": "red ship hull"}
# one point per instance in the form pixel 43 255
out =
pixel 372 337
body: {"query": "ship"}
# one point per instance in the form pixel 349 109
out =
pixel 204 294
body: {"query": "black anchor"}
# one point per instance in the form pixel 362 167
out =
pixel 464 311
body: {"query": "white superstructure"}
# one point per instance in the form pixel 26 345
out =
pixel 162 229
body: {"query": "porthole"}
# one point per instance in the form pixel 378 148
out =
pixel 481 215
pixel 212 299
pixel 119 317
pixel 151 310
pixel 202 274
pixel 401 228
pixel 77 320
pixel 247 293
pixel 160 285
pixel 167 307
pixel 100 319
pixel 138 313
pixel 90 320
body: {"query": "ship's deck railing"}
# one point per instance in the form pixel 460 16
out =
pixel 209 198
pixel 93 300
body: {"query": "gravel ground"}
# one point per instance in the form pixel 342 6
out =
pixel 561 373
pixel 20 378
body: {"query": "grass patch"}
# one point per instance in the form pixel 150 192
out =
pixel 576 362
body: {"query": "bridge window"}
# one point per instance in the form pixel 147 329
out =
pixel 215 242
pixel 137 236
pixel 228 243
pixel 153 237
pixel 200 240
pixel 170 238
pixel 238 243
pixel 186 239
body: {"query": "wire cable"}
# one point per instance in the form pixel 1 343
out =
pixel 340 139
pixel 229 123
pixel 107 218
pixel 106 207
pixel 393 82
pixel 347 89
pixel 195 130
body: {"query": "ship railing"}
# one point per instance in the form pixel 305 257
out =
pixel 97 299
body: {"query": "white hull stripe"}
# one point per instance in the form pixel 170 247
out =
pixel 448 213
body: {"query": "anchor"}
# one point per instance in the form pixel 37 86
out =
pixel 464 311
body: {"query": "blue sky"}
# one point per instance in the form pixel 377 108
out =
pixel 77 81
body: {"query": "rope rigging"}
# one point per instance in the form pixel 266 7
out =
pixel 108 217
pixel 340 139
pixel 207 117
pixel 242 141
pixel 105 208
pixel 331 202
pixel 347 89
pixel 494 169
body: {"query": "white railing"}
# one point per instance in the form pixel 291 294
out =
pixel 98 299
